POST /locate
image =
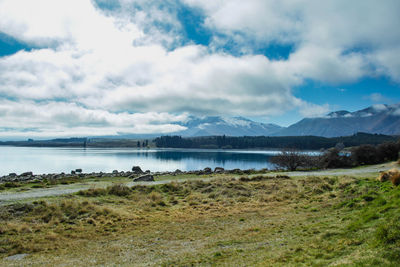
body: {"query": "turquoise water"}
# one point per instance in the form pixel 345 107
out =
pixel 56 160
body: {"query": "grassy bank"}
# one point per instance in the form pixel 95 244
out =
pixel 252 221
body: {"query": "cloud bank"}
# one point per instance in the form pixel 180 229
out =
pixel 129 67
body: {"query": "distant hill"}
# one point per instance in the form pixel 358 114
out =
pixel 377 119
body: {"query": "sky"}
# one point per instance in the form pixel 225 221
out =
pixel 106 67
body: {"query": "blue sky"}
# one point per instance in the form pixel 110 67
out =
pixel 81 67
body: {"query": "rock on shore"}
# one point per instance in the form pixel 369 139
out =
pixel 136 173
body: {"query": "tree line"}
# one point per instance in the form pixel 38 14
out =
pixel 279 142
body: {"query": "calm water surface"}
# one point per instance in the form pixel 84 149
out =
pixel 56 160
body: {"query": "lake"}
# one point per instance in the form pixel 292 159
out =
pixel 45 160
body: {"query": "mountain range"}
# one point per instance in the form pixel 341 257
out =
pixel 236 126
pixel 379 119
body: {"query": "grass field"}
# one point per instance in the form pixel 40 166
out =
pixel 250 221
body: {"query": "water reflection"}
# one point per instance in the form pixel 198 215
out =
pixel 56 160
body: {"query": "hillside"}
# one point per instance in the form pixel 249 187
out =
pixel 379 119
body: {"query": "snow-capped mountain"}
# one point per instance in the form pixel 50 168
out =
pixel 217 125
pixel 380 119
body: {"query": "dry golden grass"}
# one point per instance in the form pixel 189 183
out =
pixel 395 179
pixel 260 221
pixel 392 175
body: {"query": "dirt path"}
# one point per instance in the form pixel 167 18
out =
pixel 10 197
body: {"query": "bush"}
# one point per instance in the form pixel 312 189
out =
pixel 119 190
pixel 365 155
pixel 155 196
pixel 93 192
pixel 172 187
pixel 388 151
pixel 393 175
pixel 332 159
pixel 291 159
pixel 395 179
pixel 12 185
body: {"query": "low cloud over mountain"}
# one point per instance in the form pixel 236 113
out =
pixel 381 119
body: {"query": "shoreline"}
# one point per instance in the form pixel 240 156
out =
pixel 135 173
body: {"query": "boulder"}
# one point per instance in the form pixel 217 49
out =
pixel 144 178
pixel 219 170
pixel 115 171
pixel 78 170
pixel 12 174
pixel 207 170
pixel 73 172
pixel 27 174
pixel 137 170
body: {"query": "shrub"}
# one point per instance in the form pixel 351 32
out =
pixel 93 192
pixel 157 199
pixel 155 196
pixel 332 159
pixel 38 186
pixel 11 185
pixel 171 187
pixel 292 159
pixel 119 190
pixel 388 151
pixel 393 175
pixel 395 179
pixel 365 154
pixel 383 177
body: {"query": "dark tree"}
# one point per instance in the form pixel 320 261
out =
pixel 290 159
pixel 388 151
pixel 332 158
pixel 365 154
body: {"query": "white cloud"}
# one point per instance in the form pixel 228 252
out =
pixel 348 39
pixel 310 110
pixel 326 64
pixel 259 19
pixel 378 98
pixel 387 62
pixel 72 23
pixel 111 68
pixel 379 107
pixel 65 119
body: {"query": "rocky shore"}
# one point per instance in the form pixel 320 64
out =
pixel 136 173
